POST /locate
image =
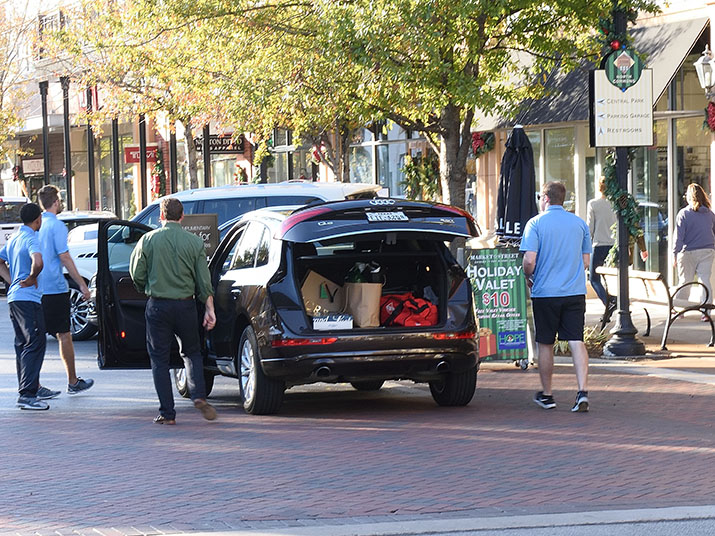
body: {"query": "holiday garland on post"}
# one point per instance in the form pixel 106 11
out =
pixel 158 177
pixel 623 204
pixel 609 38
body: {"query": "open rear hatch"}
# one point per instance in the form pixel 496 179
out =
pixel 380 264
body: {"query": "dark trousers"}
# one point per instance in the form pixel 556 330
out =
pixel 30 341
pixel 599 257
pixel 166 320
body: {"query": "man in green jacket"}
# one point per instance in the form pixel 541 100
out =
pixel 169 266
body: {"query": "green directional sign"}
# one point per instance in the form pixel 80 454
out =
pixel 623 68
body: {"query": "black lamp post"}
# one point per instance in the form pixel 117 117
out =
pixel 45 132
pixel 65 82
pixel 623 341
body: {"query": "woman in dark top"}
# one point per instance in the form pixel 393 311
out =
pixel 694 247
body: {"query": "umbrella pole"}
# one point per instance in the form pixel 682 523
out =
pixel 624 341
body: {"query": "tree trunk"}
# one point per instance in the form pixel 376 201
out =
pixel 191 155
pixel 343 135
pixel 453 151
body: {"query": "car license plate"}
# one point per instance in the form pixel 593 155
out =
pixel 387 216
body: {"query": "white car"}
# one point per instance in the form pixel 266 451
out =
pixel 9 221
pixel 228 203
pixel 10 216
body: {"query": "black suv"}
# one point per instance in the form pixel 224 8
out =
pixel 266 335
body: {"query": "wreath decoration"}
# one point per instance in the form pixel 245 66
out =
pixel 482 142
pixel 710 117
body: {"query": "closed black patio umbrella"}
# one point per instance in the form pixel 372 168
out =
pixel 516 200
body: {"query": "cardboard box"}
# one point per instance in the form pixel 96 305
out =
pixel 330 322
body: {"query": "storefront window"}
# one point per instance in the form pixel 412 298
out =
pixel 390 161
pixel 361 169
pixel 278 169
pixel 302 163
pixel 183 181
pixel 535 139
pixel 223 169
pixel 559 160
pixel 649 170
pixel 693 154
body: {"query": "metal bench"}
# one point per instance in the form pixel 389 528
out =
pixel 649 288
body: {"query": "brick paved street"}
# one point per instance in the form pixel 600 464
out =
pixel 334 454
pixel 96 464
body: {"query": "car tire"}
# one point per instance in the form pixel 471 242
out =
pixel 368 385
pixel 179 375
pixel 261 395
pixel 80 327
pixel 456 389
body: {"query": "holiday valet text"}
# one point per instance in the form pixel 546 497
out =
pixel 493 277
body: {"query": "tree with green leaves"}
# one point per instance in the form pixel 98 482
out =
pixel 325 66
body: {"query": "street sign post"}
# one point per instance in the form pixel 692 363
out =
pixel 621 117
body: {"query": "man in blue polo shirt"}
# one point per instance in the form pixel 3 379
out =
pixel 557 251
pixel 55 291
pixel 20 264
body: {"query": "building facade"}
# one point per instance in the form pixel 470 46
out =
pixel 683 150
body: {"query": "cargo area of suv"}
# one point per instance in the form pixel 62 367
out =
pixel 398 264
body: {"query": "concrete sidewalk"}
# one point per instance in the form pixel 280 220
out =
pixel 687 344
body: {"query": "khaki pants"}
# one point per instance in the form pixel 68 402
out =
pixel 695 261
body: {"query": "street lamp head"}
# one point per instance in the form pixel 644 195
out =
pixel 704 69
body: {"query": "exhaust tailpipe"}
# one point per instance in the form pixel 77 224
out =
pixel 443 366
pixel 323 372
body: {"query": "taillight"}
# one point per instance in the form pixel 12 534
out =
pixel 278 343
pixel 294 219
pixel 454 335
pixel 455 210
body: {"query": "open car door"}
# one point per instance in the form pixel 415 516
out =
pixel 120 307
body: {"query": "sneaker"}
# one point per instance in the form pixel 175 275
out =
pixel 79 386
pixel 545 401
pixel 31 402
pixel 207 410
pixel 581 404
pixel 160 419
pixel 43 393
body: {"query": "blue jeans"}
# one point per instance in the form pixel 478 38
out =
pixel 30 341
pixel 599 257
pixel 166 320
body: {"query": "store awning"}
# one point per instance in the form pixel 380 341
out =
pixel 665 47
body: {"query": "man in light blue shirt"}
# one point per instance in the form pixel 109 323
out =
pixel 20 264
pixel 557 251
pixel 54 287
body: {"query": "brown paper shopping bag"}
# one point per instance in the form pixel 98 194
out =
pixel 321 295
pixel 362 301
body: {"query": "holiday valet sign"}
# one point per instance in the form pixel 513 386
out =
pixel 499 288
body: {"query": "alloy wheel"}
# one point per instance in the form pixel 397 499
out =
pixel 247 371
pixel 79 310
